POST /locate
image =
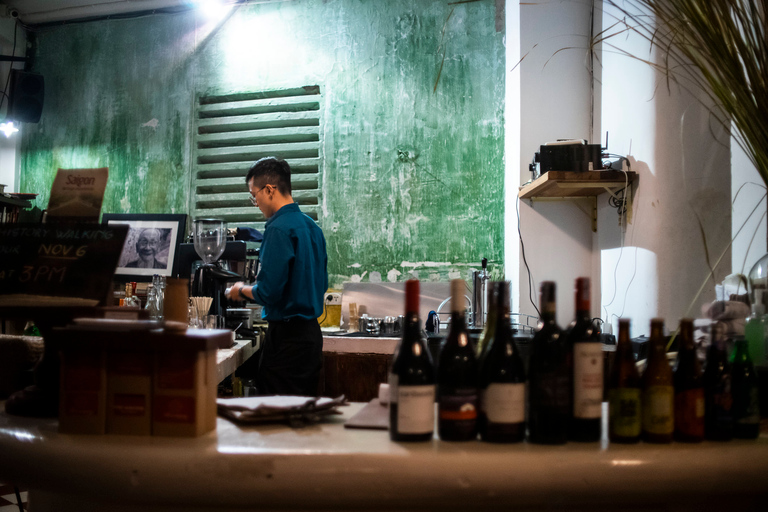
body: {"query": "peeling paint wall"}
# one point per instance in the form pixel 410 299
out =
pixel 413 178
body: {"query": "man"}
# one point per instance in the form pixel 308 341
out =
pixel 148 244
pixel 291 284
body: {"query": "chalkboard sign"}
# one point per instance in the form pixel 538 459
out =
pixel 58 265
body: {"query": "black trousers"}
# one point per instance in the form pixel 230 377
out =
pixel 291 358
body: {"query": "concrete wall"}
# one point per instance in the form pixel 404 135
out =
pixel 555 92
pixel 658 265
pixel 413 175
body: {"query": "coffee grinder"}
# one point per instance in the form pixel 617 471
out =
pixel 210 279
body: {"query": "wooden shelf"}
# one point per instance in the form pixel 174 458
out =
pixel 14 202
pixel 575 184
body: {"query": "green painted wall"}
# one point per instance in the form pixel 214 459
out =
pixel 413 179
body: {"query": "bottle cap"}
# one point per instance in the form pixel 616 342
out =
pixel 582 294
pixel 457 295
pixel 411 296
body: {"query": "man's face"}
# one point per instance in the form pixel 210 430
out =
pixel 148 244
pixel 260 196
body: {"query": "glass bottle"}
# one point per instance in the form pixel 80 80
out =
pixel 549 376
pixel 502 379
pixel 457 393
pixel 624 392
pixel 689 388
pixel 718 400
pixel 745 389
pixel 131 300
pixel 587 369
pixel 490 323
pixel 30 329
pixel 754 330
pixel 412 379
pixel 658 389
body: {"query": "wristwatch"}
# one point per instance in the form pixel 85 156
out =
pixel 242 295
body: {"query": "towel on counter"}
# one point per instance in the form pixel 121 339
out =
pixel 297 411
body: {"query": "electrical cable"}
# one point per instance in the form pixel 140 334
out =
pixel 522 246
pixel 622 218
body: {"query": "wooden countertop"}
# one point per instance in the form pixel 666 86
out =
pixel 328 467
pixel 363 345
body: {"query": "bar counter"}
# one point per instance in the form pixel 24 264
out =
pixel 325 466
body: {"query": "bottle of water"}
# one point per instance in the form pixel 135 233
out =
pixel 155 297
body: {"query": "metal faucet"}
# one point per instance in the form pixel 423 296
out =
pixel 479 295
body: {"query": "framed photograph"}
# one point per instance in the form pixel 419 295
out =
pixel 151 246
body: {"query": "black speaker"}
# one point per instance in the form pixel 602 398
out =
pixel 25 100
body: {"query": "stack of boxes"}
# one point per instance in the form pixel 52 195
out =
pixel 126 378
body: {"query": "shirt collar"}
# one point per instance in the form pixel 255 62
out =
pixel 293 207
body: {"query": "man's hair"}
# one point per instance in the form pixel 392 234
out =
pixel 271 171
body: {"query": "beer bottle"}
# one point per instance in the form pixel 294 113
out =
pixel 689 388
pixel 658 389
pixel 624 392
pixel 718 400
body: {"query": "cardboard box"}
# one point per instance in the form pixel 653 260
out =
pixel 129 392
pixel 181 405
pixel 82 394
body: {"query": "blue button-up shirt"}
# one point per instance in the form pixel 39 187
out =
pixel 294 267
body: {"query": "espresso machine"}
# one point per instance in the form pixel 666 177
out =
pixel 212 261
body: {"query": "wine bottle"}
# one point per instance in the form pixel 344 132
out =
pixel 549 376
pixel 587 369
pixel 718 400
pixel 658 389
pixel 746 403
pixel 689 388
pixel 624 392
pixel 490 323
pixel 457 393
pixel 412 380
pixel 502 379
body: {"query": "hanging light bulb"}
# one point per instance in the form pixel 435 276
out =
pixel 8 128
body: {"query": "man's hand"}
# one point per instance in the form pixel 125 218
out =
pixel 233 292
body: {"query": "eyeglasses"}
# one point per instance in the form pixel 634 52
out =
pixel 253 196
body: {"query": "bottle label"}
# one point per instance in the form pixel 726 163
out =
pixel 415 409
pixel 624 411
pixel 587 380
pixel 552 391
pixel 689 412
pixel 458 405
pixel 504 403
pixel 752 413
pixel 393 380
pixel 658 409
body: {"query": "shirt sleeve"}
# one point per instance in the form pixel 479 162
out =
pixel 276 258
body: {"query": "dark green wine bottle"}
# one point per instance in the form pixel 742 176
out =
pixel 457 393
pixel 412 380
pixel 746 403
pixel 587 369
pixel 549 376
pixel 502 380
